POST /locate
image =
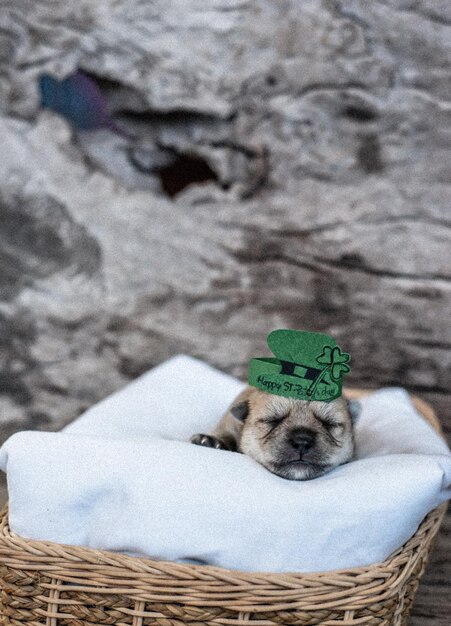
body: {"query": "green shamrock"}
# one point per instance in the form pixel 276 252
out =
pixel 335 360
pixel 307 366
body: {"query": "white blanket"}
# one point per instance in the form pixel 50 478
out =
pixel 124 478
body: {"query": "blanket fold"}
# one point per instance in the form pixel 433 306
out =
pixel 123 477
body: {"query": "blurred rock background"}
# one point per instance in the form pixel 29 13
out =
pixel 228 168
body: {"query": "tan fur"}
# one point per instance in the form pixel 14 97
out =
pixel 271 426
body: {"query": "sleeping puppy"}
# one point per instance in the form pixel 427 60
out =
pixel 295 439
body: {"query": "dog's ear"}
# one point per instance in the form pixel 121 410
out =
pixel 240 410
pixel 354 408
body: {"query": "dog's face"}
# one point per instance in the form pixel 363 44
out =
pixel 296 439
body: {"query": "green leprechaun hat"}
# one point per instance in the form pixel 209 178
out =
pixel 308 366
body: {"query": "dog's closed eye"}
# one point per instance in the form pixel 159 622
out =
pixel 273 420
pixel 331 424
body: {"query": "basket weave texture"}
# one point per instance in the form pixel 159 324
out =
pixel 44 583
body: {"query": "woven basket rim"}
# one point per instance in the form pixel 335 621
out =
pixel 39 550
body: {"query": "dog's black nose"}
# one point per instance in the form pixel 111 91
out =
pixel 302 439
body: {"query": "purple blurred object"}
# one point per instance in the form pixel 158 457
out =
pixel 77 98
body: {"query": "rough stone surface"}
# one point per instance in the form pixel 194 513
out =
pixel 316 138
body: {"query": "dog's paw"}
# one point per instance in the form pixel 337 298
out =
pixel 208 441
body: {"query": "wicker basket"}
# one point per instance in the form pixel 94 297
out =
pixel 55 585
